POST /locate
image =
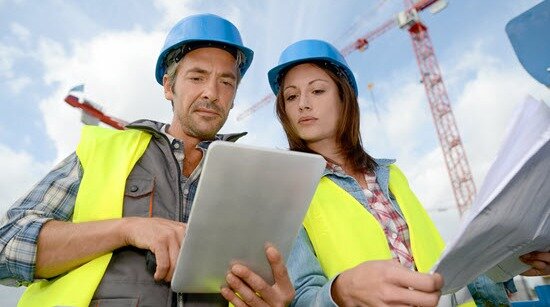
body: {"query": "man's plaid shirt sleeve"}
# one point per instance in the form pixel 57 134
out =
pixel 52 198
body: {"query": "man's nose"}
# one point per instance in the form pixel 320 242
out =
pixel 210 90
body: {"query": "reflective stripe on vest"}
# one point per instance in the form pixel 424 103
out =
pixel 107 157
pixel 344 234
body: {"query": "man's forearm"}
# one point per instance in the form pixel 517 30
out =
pixel 64 245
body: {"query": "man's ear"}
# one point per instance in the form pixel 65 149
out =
pixel 168 93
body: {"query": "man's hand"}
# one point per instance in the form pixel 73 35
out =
pixel 63 246
pixel 162 237
pixel 386 283
pixel 539 262
pixel 254 290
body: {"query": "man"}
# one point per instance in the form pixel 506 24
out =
pixel 87 226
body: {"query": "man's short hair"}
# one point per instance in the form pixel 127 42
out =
pixel 175 56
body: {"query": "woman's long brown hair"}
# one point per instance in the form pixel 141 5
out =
pixel 348 135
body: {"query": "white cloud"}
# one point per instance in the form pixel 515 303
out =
pixel 407 117
pixel 404 123
pixel 19 172
pixel 470 59
pixel 485 108
pixel 401 132
pixel 430 179
pixel 119 75
pixel 18 84
pixel 173 11
pixel 20 32
pixel 10 52
pixel 447 222
pixel 8 55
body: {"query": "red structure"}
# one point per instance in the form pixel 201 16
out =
pixel 453 151
pixel 89 109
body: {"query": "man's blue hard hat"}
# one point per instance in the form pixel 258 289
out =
pixel 204 30
pixel 309 50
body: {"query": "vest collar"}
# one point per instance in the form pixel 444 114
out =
pixel 382 172
pixel 381 164
pixel 157 130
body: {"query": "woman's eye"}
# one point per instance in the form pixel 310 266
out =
pixel 317 92
pixel 290 97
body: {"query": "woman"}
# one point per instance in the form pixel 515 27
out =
pixel 337 257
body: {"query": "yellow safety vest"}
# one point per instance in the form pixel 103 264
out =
pixel 344 234
pixel 110 155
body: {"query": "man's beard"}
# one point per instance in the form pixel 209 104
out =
pixel 193 127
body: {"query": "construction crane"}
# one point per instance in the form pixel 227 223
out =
pixel 447 131
pixel 91 112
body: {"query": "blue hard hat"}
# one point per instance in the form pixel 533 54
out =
pixel 203 29
pixel 528 34
pixel 306 51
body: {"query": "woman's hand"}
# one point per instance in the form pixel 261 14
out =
pixel 255 291
pixel 386 283
pixel 539 262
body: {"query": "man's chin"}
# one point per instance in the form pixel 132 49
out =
pixel 202 128
pixel 205 134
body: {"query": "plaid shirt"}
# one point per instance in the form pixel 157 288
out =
pixel 394 225
pixel 54 198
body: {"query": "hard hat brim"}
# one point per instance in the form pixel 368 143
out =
pixel 161 69
pixel 274 74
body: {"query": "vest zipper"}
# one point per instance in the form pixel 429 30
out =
pixel 189 181
pixel 182 204
pixel 179 209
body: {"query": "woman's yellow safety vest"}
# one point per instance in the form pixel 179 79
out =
pixel 110 156
pixel 344 234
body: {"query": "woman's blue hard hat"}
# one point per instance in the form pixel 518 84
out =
pixel 309 50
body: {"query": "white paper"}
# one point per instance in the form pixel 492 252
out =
pixel 510 215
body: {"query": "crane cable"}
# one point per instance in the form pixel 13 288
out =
pixel 359 23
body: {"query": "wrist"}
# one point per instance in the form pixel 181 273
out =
pixel 338 291
pixel 123 230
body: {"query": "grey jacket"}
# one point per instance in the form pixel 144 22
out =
pixel 156 176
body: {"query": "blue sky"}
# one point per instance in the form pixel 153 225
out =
pixel 46 47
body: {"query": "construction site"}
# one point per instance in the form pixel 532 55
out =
pixel 439 85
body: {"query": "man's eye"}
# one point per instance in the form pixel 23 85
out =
pixel 228 83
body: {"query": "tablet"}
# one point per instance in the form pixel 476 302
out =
pixel 246 196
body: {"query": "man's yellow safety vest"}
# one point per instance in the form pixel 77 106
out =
pixel 344 234
pixel 106 166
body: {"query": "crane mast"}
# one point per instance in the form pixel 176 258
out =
pixel 447 131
